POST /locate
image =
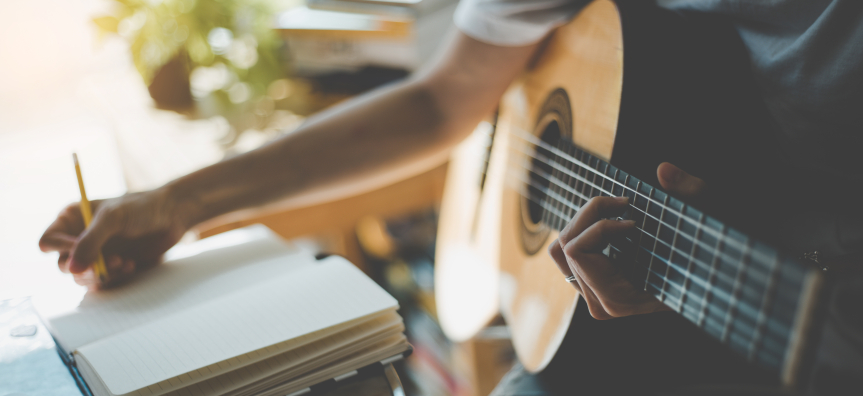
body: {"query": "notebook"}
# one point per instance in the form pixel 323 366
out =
pixel 240 313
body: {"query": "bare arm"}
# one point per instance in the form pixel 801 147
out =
pixel 381 133
pixel 384 133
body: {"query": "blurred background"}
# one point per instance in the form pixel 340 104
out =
pixel 147 90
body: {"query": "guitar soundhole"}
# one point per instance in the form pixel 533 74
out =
pixel 539 184
pixel 555 122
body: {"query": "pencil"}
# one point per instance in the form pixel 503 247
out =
pixel 87 213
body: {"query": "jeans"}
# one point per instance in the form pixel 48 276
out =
pixel 519 382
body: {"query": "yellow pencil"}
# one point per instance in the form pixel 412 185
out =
pixel 87 213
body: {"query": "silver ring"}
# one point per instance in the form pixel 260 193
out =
pixel 570 278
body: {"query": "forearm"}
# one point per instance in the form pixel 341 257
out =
pixel 376 134
pixel 353 140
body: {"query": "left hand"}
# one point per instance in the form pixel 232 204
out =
pixel 578 250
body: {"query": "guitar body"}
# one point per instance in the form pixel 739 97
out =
pixel 630 84
pixel 535 300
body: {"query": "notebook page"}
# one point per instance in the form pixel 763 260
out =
pixel 198 272
pixel 284 307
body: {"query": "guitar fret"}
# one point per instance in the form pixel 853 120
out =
pixel 569 196
pixel 711 278
pixel 641 235
pixel 766 302
pixel 587 188
pixel 539 151
pixel 735 291
pixel 575 185
pixel 653 250
pixel 597 190
pixel 582 172
pixel 555 172
pixel 691 260
pixel 604 180
pixel 673 241
pixel 573 170
pixel 564 208
pixel 566 180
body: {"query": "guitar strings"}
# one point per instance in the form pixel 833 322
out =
pixel 563 155
pixel 681 306
pixel 703 265
pixel 566 202
pixel 560 183
pixel 746 252
pixel 737 288
pixel 522 134
pixel 733 281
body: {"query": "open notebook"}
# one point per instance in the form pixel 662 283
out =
pixel 237 314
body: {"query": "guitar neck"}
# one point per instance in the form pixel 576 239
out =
pixel 744 293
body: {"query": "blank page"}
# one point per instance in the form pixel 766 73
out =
pixel 194 273
pixel 308 299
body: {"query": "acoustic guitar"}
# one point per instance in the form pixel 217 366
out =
pixel 611 95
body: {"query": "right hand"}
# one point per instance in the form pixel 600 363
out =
pixel 132 232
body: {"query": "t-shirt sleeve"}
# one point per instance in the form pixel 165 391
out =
pixel 513 22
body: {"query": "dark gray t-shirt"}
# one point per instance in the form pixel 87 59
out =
pixel 807 57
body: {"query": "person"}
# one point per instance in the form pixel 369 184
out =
pixel 806 57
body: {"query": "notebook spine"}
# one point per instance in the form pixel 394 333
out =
pixel 68 360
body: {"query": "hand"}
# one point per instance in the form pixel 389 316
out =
pixel 132 232
pixel 679 183
pixel 578 250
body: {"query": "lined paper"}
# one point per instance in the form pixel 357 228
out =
pixel 286 306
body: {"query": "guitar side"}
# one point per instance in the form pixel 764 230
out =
pixel 467 248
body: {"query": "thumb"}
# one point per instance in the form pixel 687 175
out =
pixel 89 244
pixel 678 182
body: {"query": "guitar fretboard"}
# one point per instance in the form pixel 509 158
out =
pixel 738 290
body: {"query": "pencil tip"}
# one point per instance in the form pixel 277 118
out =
pixel 75 158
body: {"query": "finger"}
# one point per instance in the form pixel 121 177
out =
pixel 113 264
pixel 595 209
pixel 678 182
pixel 128 268
pixel 594 305
pixel 89 245
pixel 577 283
pixel 556 253
pixel 87 278
pixel 56 242
pixel 122 274
pixel 118 266
pixel 63 262
pixel 596 237
pixel 68 224
pixel 584 253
